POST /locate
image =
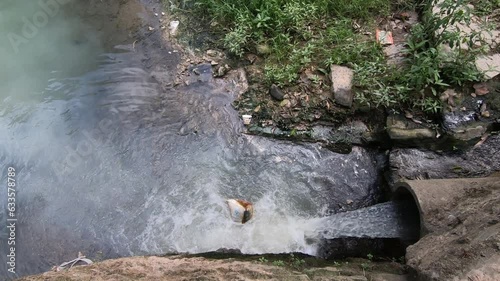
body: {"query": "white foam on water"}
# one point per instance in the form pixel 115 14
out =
pixel 208 227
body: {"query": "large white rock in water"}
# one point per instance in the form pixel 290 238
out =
pixel 240 211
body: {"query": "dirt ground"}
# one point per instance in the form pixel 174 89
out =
pixel 466 242
pixel 197 268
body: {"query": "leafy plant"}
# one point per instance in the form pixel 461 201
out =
pixel 263 260
pixel 437 56
pixel 278 263
pixel 296 262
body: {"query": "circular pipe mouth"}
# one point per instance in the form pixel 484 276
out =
pixel 405 196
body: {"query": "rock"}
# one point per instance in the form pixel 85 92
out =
pixel 463 125
pixel 238 78
pixel 341 78
pixel 285 103
pixel 355 132
pixel 394 54
pixel 251 58
pixel 481 89
pixel 221 70
pixel 276 93
pixel 485 114
pixel 470 133
pixel 411 163
pixel 401 129
pixel 173 27
pixel 212 53
pixel 490 65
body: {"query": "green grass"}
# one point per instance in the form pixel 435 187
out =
pixel 485 7
pixel 292 35
pixel 427 70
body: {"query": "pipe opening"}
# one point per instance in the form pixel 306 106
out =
pixel 411 211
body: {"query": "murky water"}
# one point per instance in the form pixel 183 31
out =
pixel 111 161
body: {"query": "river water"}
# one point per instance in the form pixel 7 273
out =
pixel 111 160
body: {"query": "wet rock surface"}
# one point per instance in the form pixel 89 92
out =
pixel 467 117
pixel 479 161
pixel 403 130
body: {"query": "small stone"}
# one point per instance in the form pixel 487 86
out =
pixel 349 201
pixel 156 14
pixel 483 107
pixel 257 109
pixel 212 53
pixel 485 114
pixel 151 28
pixel 463 108
pixel 493 221
pixel 276 93
pixel 285 103
pixel 452 221
pixel 481 89
pixel 213 63
pixel 196 71
pixel 162 13
pixel 221 71
pixel 473 95
pixel 251 58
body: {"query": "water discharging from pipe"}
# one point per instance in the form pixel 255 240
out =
pixel 386 220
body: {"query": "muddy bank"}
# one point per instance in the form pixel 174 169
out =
pixel 197 268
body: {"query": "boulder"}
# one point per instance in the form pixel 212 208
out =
pixel 482 160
